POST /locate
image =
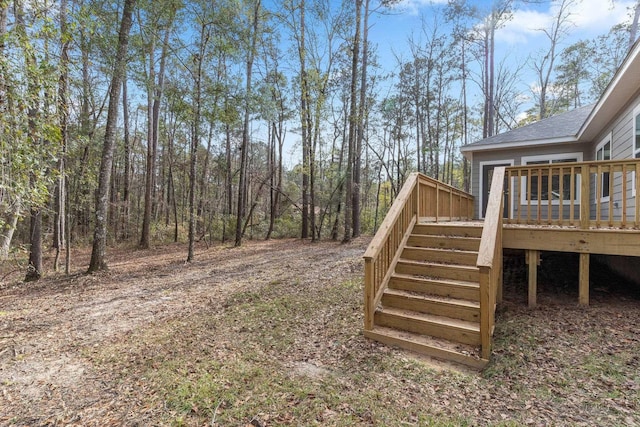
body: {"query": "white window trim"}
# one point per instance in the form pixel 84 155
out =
pixel 634 151
pixel 481 181
pixel 601 144
pixel 549 158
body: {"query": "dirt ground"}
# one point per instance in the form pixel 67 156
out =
pixel 47 328
pixel 54 369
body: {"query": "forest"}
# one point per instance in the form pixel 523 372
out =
pixel 141 122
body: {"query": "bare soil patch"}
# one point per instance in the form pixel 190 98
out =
pixel 269 334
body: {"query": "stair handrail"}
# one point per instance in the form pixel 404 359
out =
pixel 420 196
pixel 382 252
pixel 489 260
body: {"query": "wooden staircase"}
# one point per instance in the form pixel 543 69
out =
pixel 432 302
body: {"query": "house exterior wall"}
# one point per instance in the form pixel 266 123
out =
pixel 516 155
pixel 621 132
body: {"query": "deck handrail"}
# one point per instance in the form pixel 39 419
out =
pixel 421 197
pixel 489 261
pixel 593 194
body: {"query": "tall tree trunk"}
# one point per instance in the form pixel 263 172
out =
pixel 63 114
pixel 8 228
pixel 492 77
pixel 126 197
pixel 360 128
pixel 272 179
pixel 244 155
pixel 34 269
pixel 98 252
pixel 353 126
pixel 227 183
pixel 145 235
pixel 195 140
pixel 304 122
pixel 154 99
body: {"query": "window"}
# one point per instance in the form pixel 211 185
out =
pixel 540 185
pixel 603 152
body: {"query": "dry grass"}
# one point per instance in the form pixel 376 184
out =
pixel 273 338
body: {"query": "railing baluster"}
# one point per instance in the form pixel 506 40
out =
pixel 519 196
pixel 549 196
pixel 539 212
pixel 561 191
pixel 598 195
pixel 610 187
pixel 529 195
pixel 572 196
pixel 623 217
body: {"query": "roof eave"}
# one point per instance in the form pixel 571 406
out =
pixel 516 144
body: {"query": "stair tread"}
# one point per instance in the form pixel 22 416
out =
pixel 433 298
pixel 435 279
pixel 473 327
pixel 435 347
pixel 448 236
pixel 420 248
pixel 438 264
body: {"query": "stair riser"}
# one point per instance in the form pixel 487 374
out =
pixel 433 287
pixel 450 257
pixel 439 271
pixel 447 230
pixel 443 242
pixel 427 328
pixel 437 308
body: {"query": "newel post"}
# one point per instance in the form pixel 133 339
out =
pixel 584 197
pixel 485 314
pixel 369 294
pixel 416 198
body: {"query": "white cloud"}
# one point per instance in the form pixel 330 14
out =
pixel 413 7
pixel 589 18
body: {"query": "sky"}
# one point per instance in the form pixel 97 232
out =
pixel 516 41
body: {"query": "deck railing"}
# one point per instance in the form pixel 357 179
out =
pixel 584 195
pixel 421 197
pixel 489 261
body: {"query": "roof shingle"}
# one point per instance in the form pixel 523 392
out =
pixel 563 125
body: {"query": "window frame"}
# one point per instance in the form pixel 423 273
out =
pixel 549 159
pixel 606 176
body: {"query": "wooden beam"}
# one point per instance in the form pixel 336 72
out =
pixel 584 279
pixel 608 241
pixel 533 260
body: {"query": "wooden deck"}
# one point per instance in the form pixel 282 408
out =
pixel 433 276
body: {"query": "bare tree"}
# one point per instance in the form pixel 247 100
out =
pixel 154 98
pixel 633 33
pixel 353 125
pixel 244 155
pixel 545 62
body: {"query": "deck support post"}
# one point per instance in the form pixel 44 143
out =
pixel 533 261
pixel 584 279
